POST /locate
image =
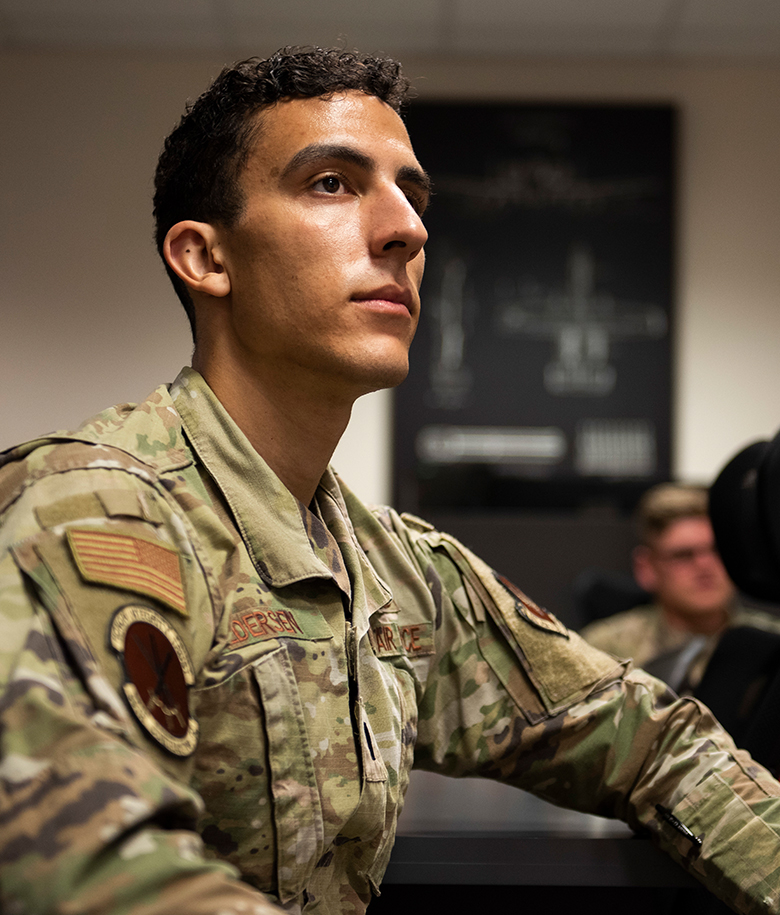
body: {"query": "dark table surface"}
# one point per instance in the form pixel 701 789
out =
pixel 473 832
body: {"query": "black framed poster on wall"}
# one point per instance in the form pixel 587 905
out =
pixel 541 372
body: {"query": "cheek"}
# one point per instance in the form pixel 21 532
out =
pixel 418 268
pixel 669 583
pixel 327 247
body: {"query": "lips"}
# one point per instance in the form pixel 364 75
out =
pixel 393 294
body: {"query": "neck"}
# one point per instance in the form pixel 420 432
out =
pixel 294 426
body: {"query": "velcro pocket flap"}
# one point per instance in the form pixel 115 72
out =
pixel 561 665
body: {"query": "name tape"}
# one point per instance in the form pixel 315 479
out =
pixel 413 640
pixel 259 625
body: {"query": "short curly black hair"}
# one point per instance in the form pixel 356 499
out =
pixel 199 168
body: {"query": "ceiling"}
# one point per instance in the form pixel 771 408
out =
pixel 652 29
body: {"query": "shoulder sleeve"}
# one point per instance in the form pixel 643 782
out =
pixel 513 695
pixel 95 746
pixel 622 634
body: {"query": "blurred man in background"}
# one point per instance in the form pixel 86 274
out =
pixel 694 600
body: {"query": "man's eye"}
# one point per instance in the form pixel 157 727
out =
pixel 417 202
pixel 330 184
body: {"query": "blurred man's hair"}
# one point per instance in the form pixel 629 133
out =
pixel 666 503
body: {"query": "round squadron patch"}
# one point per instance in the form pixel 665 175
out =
pixel 531 612
pixel 158 675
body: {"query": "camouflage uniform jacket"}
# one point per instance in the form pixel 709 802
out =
pixel 643 635
pixel 284 668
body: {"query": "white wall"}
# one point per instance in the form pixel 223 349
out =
pixel 87 318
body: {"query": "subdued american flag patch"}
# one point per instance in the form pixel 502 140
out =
pixel 110 558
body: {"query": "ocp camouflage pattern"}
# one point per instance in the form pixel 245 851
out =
pixel 333 647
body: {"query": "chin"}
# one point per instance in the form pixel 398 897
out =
pixel 393 379
pixel 381 374
pixel 709 608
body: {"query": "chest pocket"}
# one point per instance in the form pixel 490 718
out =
pixel 255 766
pixel 295 799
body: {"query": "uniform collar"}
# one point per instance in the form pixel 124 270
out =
pixel 286 541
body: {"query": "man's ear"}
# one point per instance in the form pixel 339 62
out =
pixel 193 252
pixel 644 569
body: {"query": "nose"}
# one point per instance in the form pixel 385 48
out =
pixel 398 229
pixel 707 560
pixel 707 554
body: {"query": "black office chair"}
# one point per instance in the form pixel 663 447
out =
pixel 742 687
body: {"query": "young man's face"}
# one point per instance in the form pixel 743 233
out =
pixel 326 260
pixel 684 571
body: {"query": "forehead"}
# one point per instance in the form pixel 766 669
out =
pixel 694 529
pixel 351 118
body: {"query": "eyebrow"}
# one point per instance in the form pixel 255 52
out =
pixel 316 152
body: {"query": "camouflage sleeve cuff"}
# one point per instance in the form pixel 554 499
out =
pixel 726 833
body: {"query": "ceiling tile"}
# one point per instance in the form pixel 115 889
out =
pixel 724 28
pixel 392 42
pixel 108 10
pixel 540 41
pixel 90 23
pixel 728 28
pixel 82 23
pixel 730 14
pixel 336 12
pixel 408 26
pixel 566 15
